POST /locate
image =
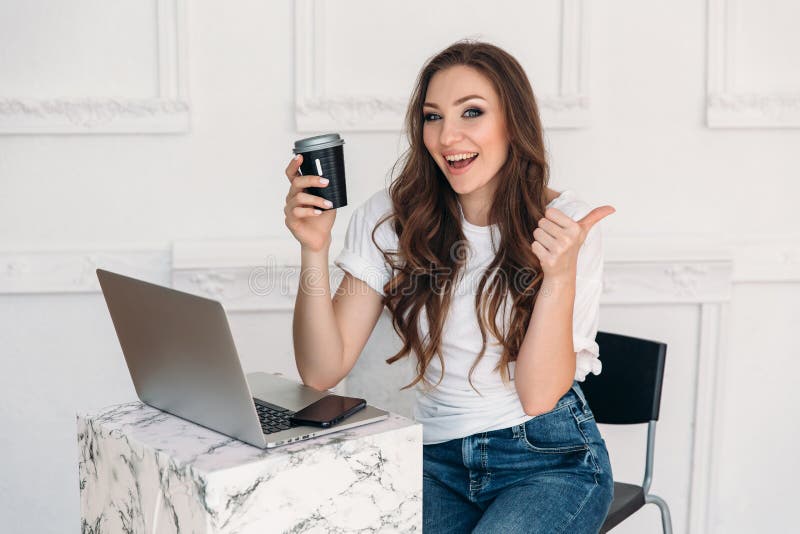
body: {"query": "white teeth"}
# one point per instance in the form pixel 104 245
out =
pixel 457 157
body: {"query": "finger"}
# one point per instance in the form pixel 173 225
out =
pixel 550 227
pixel 595 215
pixel 559 217
pixel 301 212
pixel 548 241
pixel 307 199
pixel 294 165
pixel 301 182
pixel 540 251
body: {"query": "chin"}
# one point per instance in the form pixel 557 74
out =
pixel 464 186
pixel 460 187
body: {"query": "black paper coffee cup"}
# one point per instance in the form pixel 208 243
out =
pixel 323 155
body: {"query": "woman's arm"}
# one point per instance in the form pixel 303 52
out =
pixel 329 335
pixel 547 360
pixel 545 366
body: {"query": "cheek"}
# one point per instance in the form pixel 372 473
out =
pixel 430 146
pixel 493 137
pixel 427 138
pixel 496 144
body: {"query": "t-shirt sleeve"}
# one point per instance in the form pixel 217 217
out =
pixel 360 256
pixel 586 311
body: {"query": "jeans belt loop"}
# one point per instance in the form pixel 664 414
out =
pixel 579 392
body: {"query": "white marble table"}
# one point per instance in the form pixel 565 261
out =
pixel 146 471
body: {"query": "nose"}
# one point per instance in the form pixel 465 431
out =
pixel 450 133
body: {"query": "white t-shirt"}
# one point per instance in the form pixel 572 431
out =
pixel 453 409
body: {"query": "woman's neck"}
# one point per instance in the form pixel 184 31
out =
pixel 476 211
pixel 476 204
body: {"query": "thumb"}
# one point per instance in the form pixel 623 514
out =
pixel 594 216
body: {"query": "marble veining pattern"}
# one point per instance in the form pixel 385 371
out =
pixel 144 470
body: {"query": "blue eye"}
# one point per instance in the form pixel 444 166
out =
pixel 427 116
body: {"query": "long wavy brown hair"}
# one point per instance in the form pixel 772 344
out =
pixel 426 218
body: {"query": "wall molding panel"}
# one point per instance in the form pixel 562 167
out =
pixel 707 423
pixel 725 106
pixel 245 275
pixel 73 271
pixel 678 270
pixel 165 112
pixel 315 110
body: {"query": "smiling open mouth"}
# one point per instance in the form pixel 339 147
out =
pixel 460 164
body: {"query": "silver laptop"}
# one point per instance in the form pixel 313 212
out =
pixel 182 360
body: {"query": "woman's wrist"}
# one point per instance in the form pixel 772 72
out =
pixel 313 252
pixel 559 282
pixel 314 272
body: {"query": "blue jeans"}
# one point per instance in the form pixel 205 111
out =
pixel 551 474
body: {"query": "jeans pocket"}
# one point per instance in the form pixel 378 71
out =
pixel 556 431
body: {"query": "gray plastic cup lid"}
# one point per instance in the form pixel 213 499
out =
pixel 318 142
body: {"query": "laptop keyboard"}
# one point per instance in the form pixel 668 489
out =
pixel 273 418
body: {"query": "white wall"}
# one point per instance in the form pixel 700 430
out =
pixel 703 251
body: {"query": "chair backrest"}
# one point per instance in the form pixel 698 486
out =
pixel 628 389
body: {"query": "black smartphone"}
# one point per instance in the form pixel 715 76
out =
pixel 328 411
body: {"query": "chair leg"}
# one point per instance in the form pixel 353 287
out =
pixel 666 521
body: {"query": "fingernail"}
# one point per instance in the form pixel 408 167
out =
pixel 328 204
pixel 324 181
pixel 297 156
pixel 317 212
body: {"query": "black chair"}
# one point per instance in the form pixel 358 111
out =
pixel 628 391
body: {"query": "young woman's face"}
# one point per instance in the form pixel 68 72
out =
pixel 454 125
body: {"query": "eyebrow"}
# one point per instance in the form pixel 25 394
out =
pixel 457 102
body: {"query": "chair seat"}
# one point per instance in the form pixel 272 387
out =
pixel 627 499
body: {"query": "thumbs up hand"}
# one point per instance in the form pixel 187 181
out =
pixel 558 239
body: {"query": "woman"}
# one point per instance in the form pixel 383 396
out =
pixel 493 283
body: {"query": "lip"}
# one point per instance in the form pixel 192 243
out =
pixel 462 170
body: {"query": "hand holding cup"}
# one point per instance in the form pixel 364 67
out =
pixel 308 216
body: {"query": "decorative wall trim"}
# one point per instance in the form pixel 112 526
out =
pixel 245 275
pixel 707 424
pixel 317 111
pixel 637 270
pixel 54 272
pixel 165 112
pixel 726 108
pixel 666 282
